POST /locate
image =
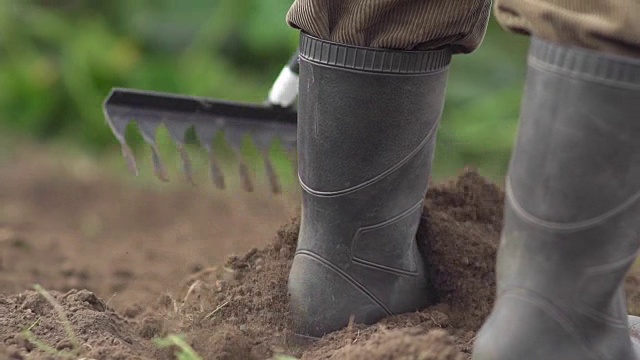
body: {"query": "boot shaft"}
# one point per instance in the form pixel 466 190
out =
pixel 366 135
pixel 572 208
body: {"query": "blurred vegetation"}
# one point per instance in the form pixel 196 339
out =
pixel 58 60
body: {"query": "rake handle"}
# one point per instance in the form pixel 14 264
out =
pixel 284 90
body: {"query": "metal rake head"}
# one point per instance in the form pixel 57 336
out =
pixel 208 117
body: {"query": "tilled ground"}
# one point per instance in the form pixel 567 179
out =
pixel 127 266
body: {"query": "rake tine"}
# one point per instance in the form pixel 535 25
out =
pixel 185 161
pixel 158 167
pixel 118 126
pixel 177 131
pixel 129 158
pixel 214 170
pixel 234 138
pixel 180 112
pixel 274 183
pixel 243 170
pixel 205 132
pixel 263 141
pixel 148 131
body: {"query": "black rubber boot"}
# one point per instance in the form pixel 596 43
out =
pixel 366 134
pixel 572 215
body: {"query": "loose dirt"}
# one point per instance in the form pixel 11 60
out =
pixel 138 270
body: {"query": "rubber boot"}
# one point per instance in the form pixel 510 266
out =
pixel 572 212
pixel 367 123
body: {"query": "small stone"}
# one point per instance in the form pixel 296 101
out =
pixel 220 285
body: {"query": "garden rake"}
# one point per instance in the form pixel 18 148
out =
pixel 264 123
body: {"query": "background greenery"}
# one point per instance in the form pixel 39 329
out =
pixel 58 60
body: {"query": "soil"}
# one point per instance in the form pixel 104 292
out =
pixel 125 265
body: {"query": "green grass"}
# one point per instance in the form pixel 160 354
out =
pixel 76 349
pixel 184 352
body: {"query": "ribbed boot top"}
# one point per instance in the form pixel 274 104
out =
pixel 372 59
pixel 585 64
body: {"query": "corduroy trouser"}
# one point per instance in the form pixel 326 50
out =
pixel 611 26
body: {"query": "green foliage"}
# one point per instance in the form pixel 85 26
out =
pixel 57 63
pixel 58 60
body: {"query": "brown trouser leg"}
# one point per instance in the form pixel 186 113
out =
pixel 606 25
pixel 395 24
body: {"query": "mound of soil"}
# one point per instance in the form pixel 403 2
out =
pixel 239 310
pixel 98 332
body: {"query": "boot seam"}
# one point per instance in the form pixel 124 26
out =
pixel 569 226
pixel 554 313
pixel 376 178
pixel 371 264
pixel 345 276
pixel 593 272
